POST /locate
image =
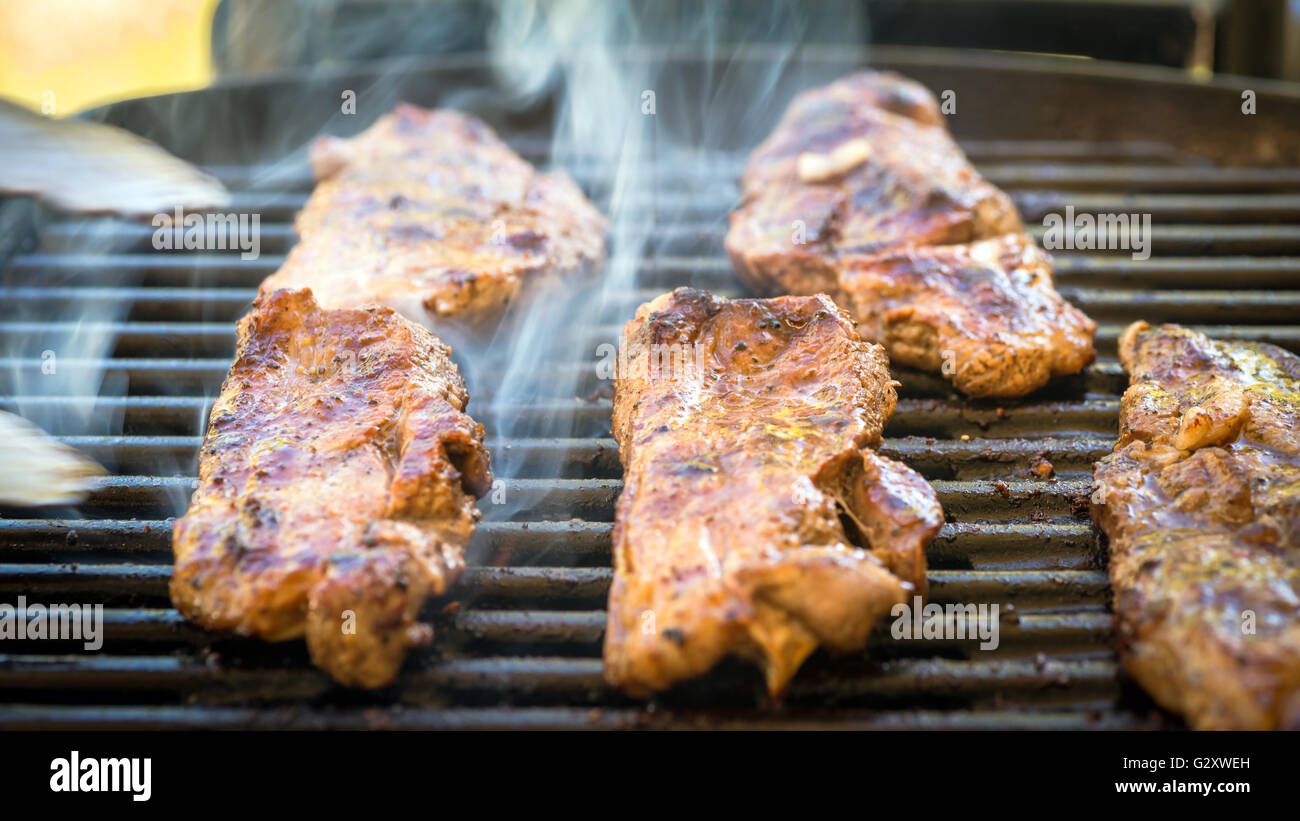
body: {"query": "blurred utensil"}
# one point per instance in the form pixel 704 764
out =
pixel 91 168
pixel 36 469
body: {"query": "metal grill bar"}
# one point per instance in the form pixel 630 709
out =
pixel 705 238
pixel 552 718
pixel 1119 177
pixel 144 303
pixel 599 456
pixel 1031 633
pixel 201 270
pixel 1033 205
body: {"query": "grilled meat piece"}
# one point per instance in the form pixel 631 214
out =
pixel 1201 504
pixel 860 188
pixel 431 214
pixel 754 519
pixel 841 175
pixel 883 90
pixel 984 314
pixel 336 486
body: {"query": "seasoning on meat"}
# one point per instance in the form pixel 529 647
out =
pixel 755 519
pixel 336 486
pixel 431 214
pixel 985 313
pixel 1201 504
pixel 862 194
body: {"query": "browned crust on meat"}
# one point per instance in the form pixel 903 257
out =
pixel 893 207
pixel 744 428
pixel 336 486
pixel 1201 505
pixel 984 314
pixel 431 214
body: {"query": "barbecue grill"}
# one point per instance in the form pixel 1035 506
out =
pixel 520 646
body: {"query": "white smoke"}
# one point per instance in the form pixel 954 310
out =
pixel 650 99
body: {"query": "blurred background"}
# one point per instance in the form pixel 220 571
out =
pixel 64 56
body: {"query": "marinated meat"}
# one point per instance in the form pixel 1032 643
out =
pixel 861 193
pixel 1200 502
pixel 755 519
pixel 984 314
pixel 336 486
pixel 431 214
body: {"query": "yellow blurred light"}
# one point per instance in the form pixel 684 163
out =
pixel 64 56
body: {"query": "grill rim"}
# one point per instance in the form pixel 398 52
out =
pixel 389 80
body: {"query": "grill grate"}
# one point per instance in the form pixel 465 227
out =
pixel 523 647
